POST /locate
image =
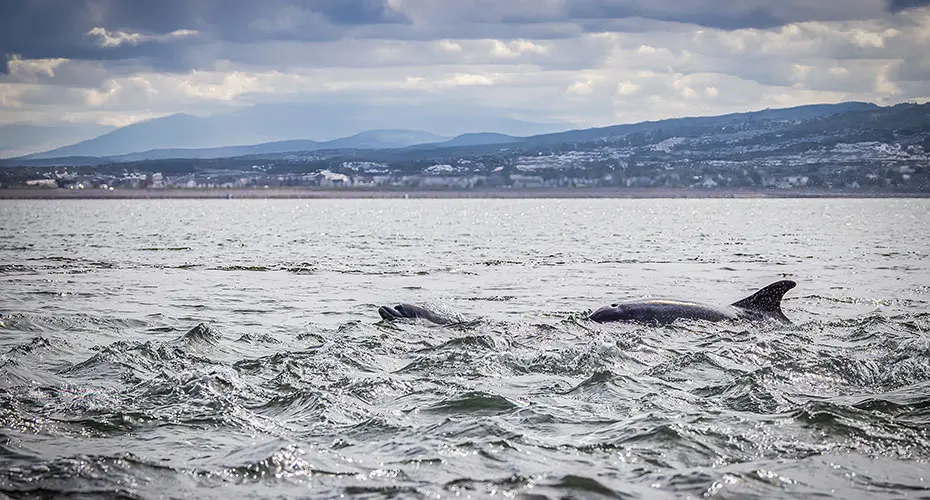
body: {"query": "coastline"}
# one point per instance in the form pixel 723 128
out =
pixel 323 193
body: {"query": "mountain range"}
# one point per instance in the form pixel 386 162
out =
pixel 849 145
pixel 276 123
pixel 754 133
pixel 370 139
pixel 18 139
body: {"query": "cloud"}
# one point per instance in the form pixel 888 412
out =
pixel 722 14
pixel 727 15
pixel 899 5
pixel 109 39
pixel 588 62
pixel 92 29
pixel 85 29
pixel 33 69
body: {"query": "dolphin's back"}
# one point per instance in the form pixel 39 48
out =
pixel 661 311
pixel 766 303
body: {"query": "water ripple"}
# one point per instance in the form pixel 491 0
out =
pixel 232 349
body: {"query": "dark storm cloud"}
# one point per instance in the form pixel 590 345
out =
pixel 715 18
pixel 725 15
pixel 39 29
pixel 309 20
pixel 43 29
pixel 899 5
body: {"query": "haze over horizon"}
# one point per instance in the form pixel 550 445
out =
pixel 581 63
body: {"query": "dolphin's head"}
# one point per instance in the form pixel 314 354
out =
pixel 613 312
pixel 391 313
pixel 410 311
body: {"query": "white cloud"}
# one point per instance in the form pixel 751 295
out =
pixel 581 88
pixel 109 39
pixel 96 98
pixel 626 88
pixel 33 69
pixel 884 87
pixel 468 79
pixel 10 96
pixel 114 38
pixel 448 46
pixel 516 48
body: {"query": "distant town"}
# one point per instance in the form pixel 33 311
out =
pixel 581 171
pixel 870 150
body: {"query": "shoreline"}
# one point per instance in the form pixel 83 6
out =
pixel 505 193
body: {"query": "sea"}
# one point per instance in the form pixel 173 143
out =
pixel 232 349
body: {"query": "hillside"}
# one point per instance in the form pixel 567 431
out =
pixel 275 123
pixel 18 139
pixel 370 139
pixel 855 145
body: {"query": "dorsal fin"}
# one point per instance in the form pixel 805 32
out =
pixel 768 300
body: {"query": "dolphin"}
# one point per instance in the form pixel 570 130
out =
pixel 410 311
pixel 764 304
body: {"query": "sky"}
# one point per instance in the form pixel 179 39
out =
pixel 579 62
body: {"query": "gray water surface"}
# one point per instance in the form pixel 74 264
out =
pixel 232 349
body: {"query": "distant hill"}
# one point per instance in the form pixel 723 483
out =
pixel 705 124
pixel 220 152
pixel 772 137
pixel 370 139
pixel 178 130
pixel 478 139
pixel 20 139
pixel 854 146
pixel 383 139
pixel 737 137
pixel 284 122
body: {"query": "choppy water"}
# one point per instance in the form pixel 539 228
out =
pixel 232 349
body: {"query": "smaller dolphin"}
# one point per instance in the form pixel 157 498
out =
pixel 410 311
pixel 766 303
